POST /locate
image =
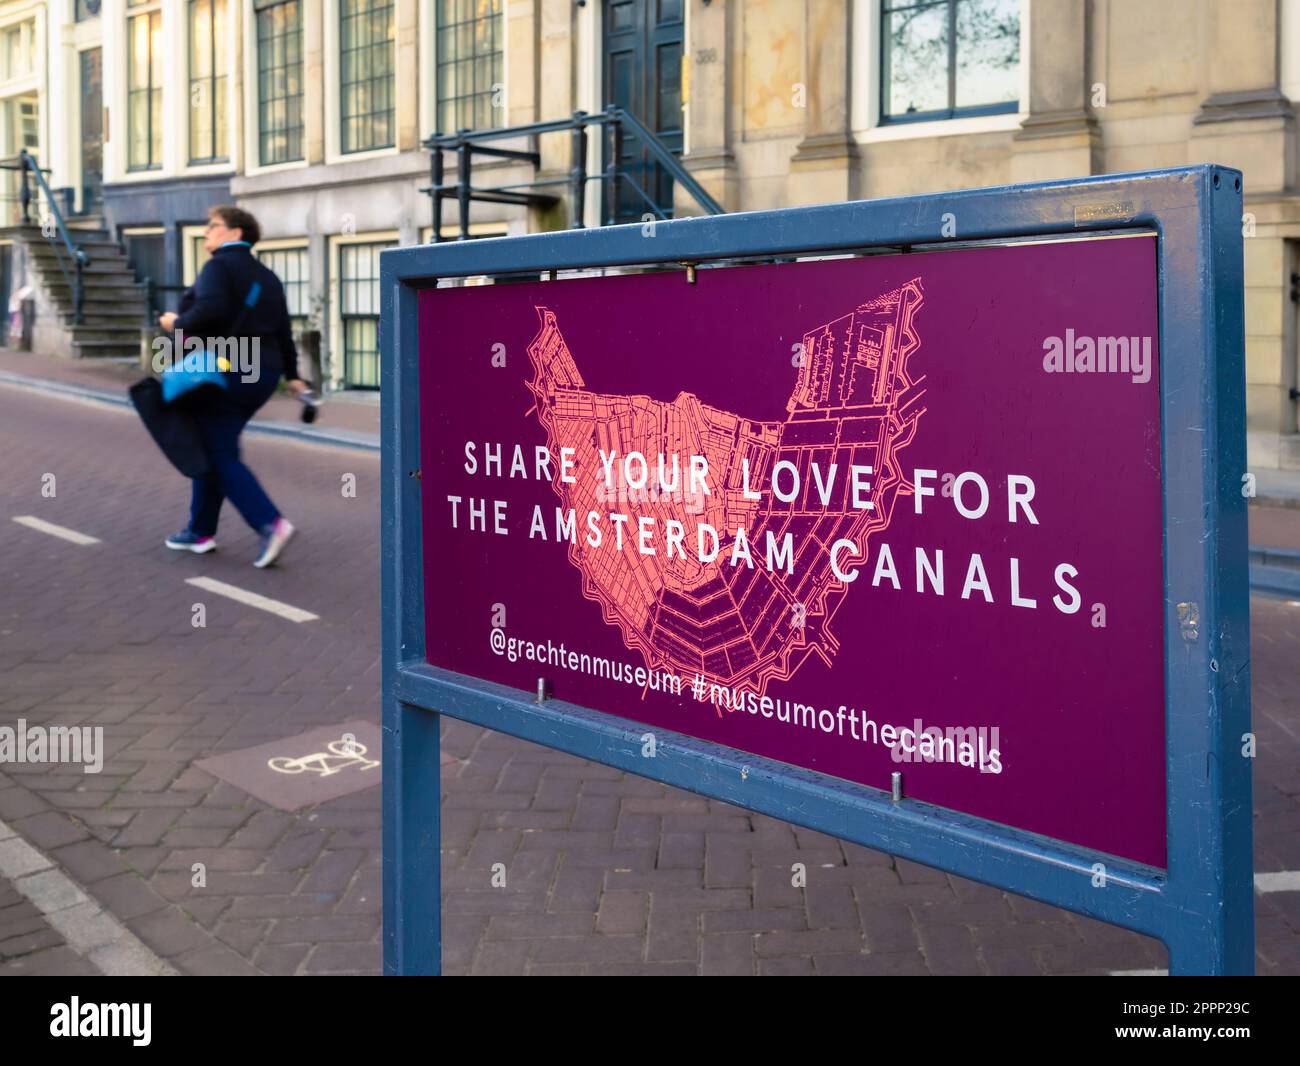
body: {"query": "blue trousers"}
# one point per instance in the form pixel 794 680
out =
pixel 220 424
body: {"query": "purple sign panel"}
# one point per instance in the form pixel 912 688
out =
pixel 895 513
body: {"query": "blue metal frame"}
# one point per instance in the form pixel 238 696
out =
pixel 1202 906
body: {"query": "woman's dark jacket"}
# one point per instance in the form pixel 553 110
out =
pixel 212 307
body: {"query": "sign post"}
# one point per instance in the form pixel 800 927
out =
pixel 917 522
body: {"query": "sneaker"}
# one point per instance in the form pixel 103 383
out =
pixel 185 541
pixel 274 538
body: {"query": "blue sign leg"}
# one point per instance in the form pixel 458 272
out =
pixel 412 834
pixel 412 840
pixel 1223 945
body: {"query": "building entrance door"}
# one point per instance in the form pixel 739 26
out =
pixel 92 129
pixel 643 75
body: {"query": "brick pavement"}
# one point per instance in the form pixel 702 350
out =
pixel 29 945
pixel 606 873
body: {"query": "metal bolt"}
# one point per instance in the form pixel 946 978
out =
pixel 896 785
pixel 541 690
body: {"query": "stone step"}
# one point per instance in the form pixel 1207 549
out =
pixel 52 253
pixel 93 268
pixel 95 305
pixel 119 335
pixel 39 246
pixel 102 349
pixel 97 286
pixel 118 317
pixel 120 311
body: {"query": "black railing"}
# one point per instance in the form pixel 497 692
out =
pixel 613 121
pixel 72 261
pixel 154 303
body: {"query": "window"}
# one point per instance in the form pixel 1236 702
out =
pixel 19 50
pixel 209 42
pixel 146 253
pixel 144 89
pixel 366 47
pixel 279 81
pixel 23 116
pixel 199 253
pixel 25 121
pixel 290 266
pixel 946 58
pixel 469 64
pixel 86 9
pixel 359 313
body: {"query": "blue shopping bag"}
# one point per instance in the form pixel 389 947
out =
pixel 195 371
pixel 205 369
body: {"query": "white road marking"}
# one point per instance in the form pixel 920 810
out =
pixel 252 599
pixel 1139 973
pixel 90 931
pixel 63 532
pixel 1286 881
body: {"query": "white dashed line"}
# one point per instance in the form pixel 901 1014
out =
pixel 1286 881
pixel 1139 973
pixel 252 599
pixel 62 532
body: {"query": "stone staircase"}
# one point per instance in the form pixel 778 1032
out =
pixel 113 308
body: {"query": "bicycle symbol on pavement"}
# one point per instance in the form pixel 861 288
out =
pixel 338 756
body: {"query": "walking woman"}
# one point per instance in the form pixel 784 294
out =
pixel 216 307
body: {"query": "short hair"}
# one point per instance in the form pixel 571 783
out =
pixel 233 217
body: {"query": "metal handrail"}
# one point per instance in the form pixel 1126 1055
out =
pixel 78 260
pixel 667 160
pixel 468 143
pixel 152 305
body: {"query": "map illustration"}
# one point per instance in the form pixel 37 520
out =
pixel 854 402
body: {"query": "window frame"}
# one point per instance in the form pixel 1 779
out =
pixel 951 112
pixel 257 102
pixel 27 33
pixel 156 114
pixel 339 118
pixel 295 246
pixel 439 100
pixel 218 84
pixel 334 358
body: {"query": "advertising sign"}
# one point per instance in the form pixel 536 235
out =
pixel 896 513
pixel 917 522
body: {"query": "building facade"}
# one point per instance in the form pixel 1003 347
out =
pixel 141 130
pixel 311 113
